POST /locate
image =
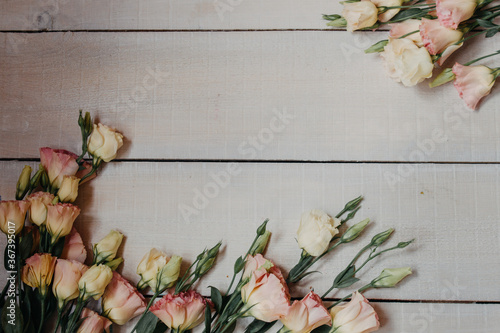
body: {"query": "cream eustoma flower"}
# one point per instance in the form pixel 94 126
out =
pixel 316 231
pixel 104 142
pixel 359 15
pixel 406 62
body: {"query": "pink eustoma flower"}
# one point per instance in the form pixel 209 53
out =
pixel 121 301
pixel 306 315
pixel 74 249
pixel 181 312
pixel 452 12
pixel 473 83
pixel 357 316
pixel 93 323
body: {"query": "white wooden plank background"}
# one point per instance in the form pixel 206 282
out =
pixel 221 89
pixel 164 14
pixel 215 92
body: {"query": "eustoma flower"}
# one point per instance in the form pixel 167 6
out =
pixel 316 231
pixel 360 15
pixel 69 189
pixel 38 271
pixel 94 281
pixel 306 315
pixel 38 209
pixel 406 62
pixel 58 163
pixel 93 323
pixel 60 218
pixel 105 250
pixel 410 29
pixel 181 312
pixel 67 273
pixel 121 301
pixel 452 12
pixel 12 215
pixel 73 247
pixel 104 142
pixel 357 316
pixel 439 39
pixel 473 83
pixel 158 271
pixel 265 295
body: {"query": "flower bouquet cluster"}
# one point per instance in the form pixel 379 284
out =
pixel 51 289
pixel 424 33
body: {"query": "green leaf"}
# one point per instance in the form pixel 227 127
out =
pixel 258 326
pixel 147 324
pixel 491 33
pixel 230 329
pixel 208 319
pixel 216 297
pixel 408 14
pixel 486 23
pixel 239 265
pixel 331 17
pixel 344 275
pixel 347 283
pixel 58 247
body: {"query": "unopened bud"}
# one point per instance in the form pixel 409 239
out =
pixel 391 277
pixel 353 232
pixel 380 238
pixel 23 183
pixel 207 260
pixel 262 228
pixel 260 243
pixel 377 47
pixel 446 76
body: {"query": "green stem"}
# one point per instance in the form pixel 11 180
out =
pixel 360 290
pixel 94 169
pixel 42 313
pixel 481 58
pixel 59 317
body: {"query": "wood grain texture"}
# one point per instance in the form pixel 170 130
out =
pixel 449 209
pixel 164 14
pixel 215 95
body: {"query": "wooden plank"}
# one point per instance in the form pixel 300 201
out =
pixel 164 14
pixel 217 96
pixel 422 318
pixel 451 211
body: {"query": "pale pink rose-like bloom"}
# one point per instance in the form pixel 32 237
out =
pixel 74 249
pixel 266 295
pixel 13 211
pixel 437 38
pixel 406 27
pixel 260 265
pixel 66 276
pixel 38 209
pixel 93 323
pixel 452 12
pixel 357 316
pixel 121 301
pixel 181 312
pixel 306 315
pixel 473 83
pixel 58 163
pixel 60 218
